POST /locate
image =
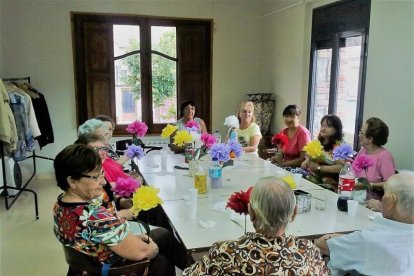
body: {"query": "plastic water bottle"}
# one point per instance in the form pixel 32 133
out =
pixel 346 186
pixel 217 135
pixel 232 134
pixel 215 177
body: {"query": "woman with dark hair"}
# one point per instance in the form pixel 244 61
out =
pixel 84 224
pixel 292 155
pixel 372 137
pixel 324 169
pixel 187 113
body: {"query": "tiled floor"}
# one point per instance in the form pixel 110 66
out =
pixel 28 246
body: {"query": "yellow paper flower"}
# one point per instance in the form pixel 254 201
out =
pixel 290 181
pixel 145 198
pixel 313 149
pixel 182 137
pixel 168 130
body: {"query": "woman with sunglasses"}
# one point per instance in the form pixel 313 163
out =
pixel 84 224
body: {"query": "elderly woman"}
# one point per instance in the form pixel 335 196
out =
pixel 372 137
pixel 292 155
pixel 248 133
pixel 81 222
pixel 324 169
pixel 268 251
pixel 94 126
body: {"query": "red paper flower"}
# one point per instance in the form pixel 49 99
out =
pixel 280 139
pixel 239 201
pixel 138 128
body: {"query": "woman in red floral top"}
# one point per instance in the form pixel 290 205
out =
pixel 269 251
pixel 83 223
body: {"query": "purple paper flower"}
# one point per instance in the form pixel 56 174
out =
pixel 138 128
pixel 126 186
pixel 235 147
pixel 362 162
pixel 220 151
pixel 342 152
pixel 134 151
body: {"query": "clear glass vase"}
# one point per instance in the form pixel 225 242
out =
pixel 193 167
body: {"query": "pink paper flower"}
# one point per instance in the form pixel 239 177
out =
pixel 126 186
pixel 193 125
pixel 138 128
pixel 208 139
pixel 362 162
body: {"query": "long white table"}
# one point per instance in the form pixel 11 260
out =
pixel 201 223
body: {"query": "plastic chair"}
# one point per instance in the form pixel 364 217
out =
pixel 79 263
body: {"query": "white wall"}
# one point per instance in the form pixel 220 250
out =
pixel 36 41
pixel 389 82
pixel 255 49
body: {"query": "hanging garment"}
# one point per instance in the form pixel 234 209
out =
pixel 8 132
pixel 43 119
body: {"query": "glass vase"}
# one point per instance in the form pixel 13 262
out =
pixel 193 167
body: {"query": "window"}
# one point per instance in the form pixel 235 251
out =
pixel 337 75
pixel 141 68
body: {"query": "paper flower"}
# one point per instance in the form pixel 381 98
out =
pixel 362 162
pixel 239 201
pixel 231 121
pixel 196 139
pixel 235 148
pixel 145 198
pixel 134 151
pixel 182 137
pixel 342 152
pixel 280 139
pixel 192 126
pixel 126 186
pixel 168 131
pixel 220 152
pixel 313 149
pixel 290 180
pixel 137 128
pixel 208 140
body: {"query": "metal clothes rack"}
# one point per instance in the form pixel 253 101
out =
pixel 5 187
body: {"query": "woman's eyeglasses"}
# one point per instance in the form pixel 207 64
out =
pixel 97 149
pixel 94 177
pixel 188 108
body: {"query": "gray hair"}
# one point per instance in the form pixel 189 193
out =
pixel 90 126
pixel 273 203
pixel 402 184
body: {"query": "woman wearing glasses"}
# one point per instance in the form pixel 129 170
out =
pixel 187 113
pixel 84 224
pixel 372 137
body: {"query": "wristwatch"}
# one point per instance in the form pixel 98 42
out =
pixel 319 168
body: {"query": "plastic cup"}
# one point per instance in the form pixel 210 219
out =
pixel 200 182
pixel 352 207
pixel 320 202
pixel 298 179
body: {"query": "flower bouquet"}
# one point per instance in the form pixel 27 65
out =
pixel 137 129
pixel 239 202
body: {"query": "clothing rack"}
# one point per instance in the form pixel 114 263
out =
pixel 6 187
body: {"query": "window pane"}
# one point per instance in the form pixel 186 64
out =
pixel 321 88
pixel 127 74
pixel 348 82
pixel 164 75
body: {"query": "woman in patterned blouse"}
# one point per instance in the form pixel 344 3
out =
pixel 83 223
pixel 268 251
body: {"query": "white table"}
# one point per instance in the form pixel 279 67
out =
pixel 186 217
